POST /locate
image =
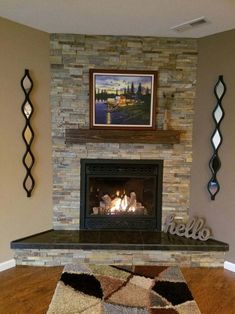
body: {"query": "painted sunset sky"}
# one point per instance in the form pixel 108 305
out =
pixel 112 83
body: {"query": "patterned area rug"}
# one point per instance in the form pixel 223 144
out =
pixel 94 289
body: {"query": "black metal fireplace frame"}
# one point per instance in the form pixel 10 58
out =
pixel 121 222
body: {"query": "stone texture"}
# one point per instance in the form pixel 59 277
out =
pixel 71 58
pixel 37 257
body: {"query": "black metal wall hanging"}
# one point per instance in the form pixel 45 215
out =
pixel 216 138
pixel 27 133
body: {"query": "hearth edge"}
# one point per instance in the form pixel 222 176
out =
pixel 55 254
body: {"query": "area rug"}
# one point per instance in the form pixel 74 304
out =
pixel 96 289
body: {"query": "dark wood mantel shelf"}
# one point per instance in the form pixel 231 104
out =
pixel 82 136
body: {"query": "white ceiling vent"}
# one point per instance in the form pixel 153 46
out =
pixel 189 24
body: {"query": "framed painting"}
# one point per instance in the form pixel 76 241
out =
pixel 121 99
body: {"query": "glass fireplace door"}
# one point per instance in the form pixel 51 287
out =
pixel 125 196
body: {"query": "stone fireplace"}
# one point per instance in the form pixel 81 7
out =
pixel 121 194
pixel 71 241
pixel 72 56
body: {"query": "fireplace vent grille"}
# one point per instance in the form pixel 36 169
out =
pixel 110 169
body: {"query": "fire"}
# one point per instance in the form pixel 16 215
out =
pixel 120 204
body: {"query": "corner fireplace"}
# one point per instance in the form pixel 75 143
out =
pixel 121 194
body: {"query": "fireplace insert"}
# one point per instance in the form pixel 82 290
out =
pixel 121 194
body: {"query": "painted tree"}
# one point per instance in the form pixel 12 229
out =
pixel 132 88
pixel 139 90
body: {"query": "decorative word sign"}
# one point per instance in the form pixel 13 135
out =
pixel 194 229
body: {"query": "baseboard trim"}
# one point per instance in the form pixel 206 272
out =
pixel 8 264
pixel 229 266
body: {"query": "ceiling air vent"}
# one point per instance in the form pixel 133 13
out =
pixel 189 24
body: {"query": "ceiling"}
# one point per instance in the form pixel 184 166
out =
pixel 122 17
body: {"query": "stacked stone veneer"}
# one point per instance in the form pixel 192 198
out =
pixel 71 58
pixel 56 257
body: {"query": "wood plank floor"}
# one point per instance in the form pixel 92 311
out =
pixel 28 290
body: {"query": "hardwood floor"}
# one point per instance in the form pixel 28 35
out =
pixel 212 288
pixel 28 290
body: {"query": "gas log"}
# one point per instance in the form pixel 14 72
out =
pixel 119 204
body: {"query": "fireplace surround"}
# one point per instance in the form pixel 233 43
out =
pixel 121 194
pixel 71 58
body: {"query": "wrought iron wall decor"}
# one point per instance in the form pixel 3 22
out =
pixel 27 133
pixel 216 138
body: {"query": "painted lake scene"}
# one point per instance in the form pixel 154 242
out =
pixel 123 100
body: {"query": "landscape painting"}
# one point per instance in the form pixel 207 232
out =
pixel 122 99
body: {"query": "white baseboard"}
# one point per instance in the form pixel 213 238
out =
pixel 8 264
pixel 229 266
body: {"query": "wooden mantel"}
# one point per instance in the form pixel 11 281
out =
pixel 82 136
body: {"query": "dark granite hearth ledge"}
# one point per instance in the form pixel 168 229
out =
pixel 115 240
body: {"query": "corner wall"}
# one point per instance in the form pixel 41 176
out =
pixel 216 56
pixel 23 47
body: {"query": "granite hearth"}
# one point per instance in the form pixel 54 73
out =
pixel 59 247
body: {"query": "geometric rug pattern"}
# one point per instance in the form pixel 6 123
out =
pixel 96 289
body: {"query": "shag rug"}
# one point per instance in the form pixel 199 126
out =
pixel 94 289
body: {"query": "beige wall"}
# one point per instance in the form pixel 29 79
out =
pixel 22 47
pixel 216 56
